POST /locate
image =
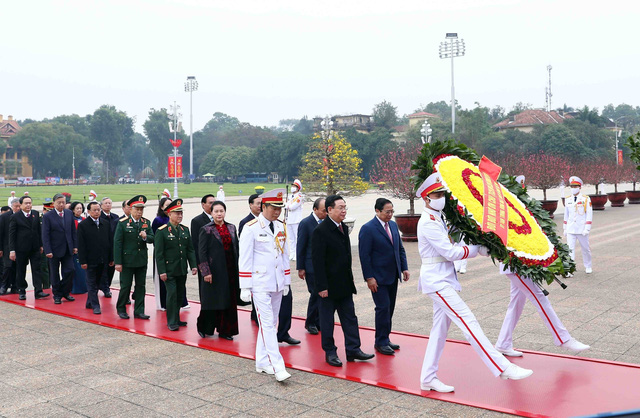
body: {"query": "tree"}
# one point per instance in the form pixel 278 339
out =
pixel 441 108
pixel 472 125
pixel 139 155
pixel 370 146
pixel 394 169
pixel 332 166
pixel 235 161
pixel 283 154
pixel 385 115
pixel 208 164
pixel 591 171
pixel 615 174
pixel 110 133
pixel 543 171
pixel 559 140
pixel 50 148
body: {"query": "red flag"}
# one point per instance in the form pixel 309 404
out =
pixel 492 169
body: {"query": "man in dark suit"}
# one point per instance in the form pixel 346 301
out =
pixel 95 252
pixel 383 262
pixel 304 264
pixel 60 241
pixel 255 207
pixel 331 258
pixel 198 222
pixel 8 274
pixel 112 220
pixel 25 246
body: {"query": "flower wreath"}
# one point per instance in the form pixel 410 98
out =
pixel 533 248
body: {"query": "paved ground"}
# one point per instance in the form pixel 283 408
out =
pixel 55 366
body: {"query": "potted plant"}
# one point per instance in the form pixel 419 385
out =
pixel 615 174
pixel 394 169
pixel 381 185
pixel 592 173
pixel 259 190
pixel 633 142
pixel 544 171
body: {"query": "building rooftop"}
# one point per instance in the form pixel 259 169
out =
pixel 532 117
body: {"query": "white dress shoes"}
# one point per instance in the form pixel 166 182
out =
pixel 282 375
pixel 436 385
pixel 510 352
pixel 575 346
pixel 588 270
pixel 267 370
pixel 514 372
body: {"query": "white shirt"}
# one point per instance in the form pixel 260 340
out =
pixel 578 214
pixel 264 256
pixel 294 207
pixel 434 242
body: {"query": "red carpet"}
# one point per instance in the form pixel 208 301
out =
pixel 561 386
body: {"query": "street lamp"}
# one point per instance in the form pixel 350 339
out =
pixel 426 132
pixel 452 48
pixel 326 125
pixel 175 126
pixel 190 86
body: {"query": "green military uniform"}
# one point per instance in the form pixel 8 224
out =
pixel 130 251
pixel 174 249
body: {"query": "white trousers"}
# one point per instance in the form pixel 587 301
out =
pixel 292 237
pixel 522 288
pixel 267 306
pixel 449 307
pixel 584 244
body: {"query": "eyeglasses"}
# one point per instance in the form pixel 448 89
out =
pixel 342 208
pixel 389 212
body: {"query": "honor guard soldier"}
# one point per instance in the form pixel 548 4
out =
pixel 438 279
pixel 294 216
pixel 174 249
pixel 265 276
pixel 578 215
pixel 130 256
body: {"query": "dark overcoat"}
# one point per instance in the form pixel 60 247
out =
pixel 217 294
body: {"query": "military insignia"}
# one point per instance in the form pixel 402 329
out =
pixel 279 195
pixel 140 199
pixel 253 221
pixel 124 219
pixel 433 218
pixel 163 227
pixel 145 225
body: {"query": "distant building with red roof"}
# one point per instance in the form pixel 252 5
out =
pixel 526 120
pixel 419 117
pixel 13 163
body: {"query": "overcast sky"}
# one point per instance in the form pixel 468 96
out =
pixel 262 61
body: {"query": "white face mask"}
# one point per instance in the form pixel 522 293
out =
pixel 437 204
pixel 294 189
pixel 575 190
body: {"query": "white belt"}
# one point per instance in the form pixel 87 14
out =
pixel 433 260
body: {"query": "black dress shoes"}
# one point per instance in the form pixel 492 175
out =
pixel 201 334
pixel 22 296
pixel 57 301
pixel 226 337
pixel 97 311
pixel 41 295
pixel 128 302
pixel 141 316
pixel 69 298
pixel 333 360
pixel 107 294
pixel 394 346
pixel 313 330
pixel 384 349
pixel 359 355
pixel 174 327
pixel 3 291
pixel 123 315
pixel 182 323
pixel 289 340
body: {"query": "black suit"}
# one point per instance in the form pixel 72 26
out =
pixel 331 257
pixel 25 238
pixel 250 217
pixel 8 275
pixel 196 224
pixel 304 262
pixel 59 238
pixel 95 249
pixel 109 271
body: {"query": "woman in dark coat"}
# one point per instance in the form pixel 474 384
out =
pixel 80 278
pixel 218 255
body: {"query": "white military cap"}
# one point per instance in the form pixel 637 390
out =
pixel 575 181
pixel 433 183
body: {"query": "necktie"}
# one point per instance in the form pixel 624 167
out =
pixel 575 198
pixel 340 228
pixel 319 221
pixel 97 223
pixel 386 227
pixel 271 227
pixel 60 213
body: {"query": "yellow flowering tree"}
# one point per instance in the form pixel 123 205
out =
pixel 332 166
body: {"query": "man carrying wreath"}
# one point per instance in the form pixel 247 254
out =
pixel 438 279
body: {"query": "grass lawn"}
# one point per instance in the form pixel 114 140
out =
pixel 120 192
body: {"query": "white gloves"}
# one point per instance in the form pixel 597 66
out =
pixel 564 231
pixel 585 232
pixel 483 251
pixel 286 290
pixel 245 295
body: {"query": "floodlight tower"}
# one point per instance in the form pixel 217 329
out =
pixel 452 47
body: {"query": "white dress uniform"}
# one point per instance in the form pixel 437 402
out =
pixel 294 216
pixel 220 196
pixel 523 288
pixel 578 216
pixel 264 268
